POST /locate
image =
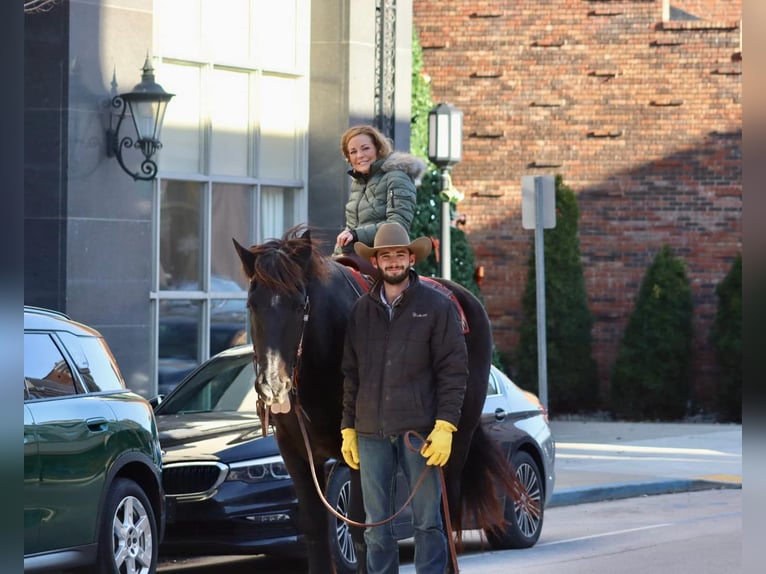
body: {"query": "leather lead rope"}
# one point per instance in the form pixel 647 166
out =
pixel 445 503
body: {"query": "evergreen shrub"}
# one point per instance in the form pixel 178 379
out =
pixel 572 375
pixel 650 379
pixel 726 338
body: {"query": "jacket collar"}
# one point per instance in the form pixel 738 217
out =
pixel 377 288
pixel 374 168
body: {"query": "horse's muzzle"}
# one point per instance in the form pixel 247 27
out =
pixel 276 397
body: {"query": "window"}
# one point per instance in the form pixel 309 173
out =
pixel 234 163
pixel 46 372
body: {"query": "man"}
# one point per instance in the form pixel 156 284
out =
pixel 405 368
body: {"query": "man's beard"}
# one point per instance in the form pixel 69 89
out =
pixel 394 278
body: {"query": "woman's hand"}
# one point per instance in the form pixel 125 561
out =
pixel 344 238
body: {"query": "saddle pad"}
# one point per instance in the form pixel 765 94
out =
pixel 442 288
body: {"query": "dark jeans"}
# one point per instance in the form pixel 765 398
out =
pixel 379 460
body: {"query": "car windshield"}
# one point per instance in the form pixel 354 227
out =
pixel 224 384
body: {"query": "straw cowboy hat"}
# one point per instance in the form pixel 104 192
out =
pixel 392 235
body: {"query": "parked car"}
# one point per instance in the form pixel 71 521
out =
pixel 93 493
pixel 230 493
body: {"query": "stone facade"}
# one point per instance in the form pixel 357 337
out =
pixel 639 113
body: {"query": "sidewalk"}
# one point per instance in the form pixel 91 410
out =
pixel 607 460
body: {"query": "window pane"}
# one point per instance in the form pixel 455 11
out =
pixel 228 324
pixel 46 373
pixel 281 133
pixel 230 97
pixel 275 39
pixel 99 371
pixel 277 211
pixel 180 235
pixel 181 129
pixel 227 30
pixel 179 28
pixel 179 340
pixel 231 218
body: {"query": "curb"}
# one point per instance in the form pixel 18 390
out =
pixel 614 491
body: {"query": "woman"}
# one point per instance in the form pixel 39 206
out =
pixel 382 187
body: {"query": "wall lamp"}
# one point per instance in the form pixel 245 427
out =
pixel 146 104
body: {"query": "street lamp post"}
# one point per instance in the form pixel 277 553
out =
pixel 445 149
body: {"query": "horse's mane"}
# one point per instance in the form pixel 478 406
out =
pixel 286 265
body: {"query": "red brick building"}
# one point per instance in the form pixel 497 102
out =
pixel 636 103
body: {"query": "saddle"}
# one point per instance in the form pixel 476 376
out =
pixel 360 264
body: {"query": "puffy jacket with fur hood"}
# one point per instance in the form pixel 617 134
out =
pixel 385 194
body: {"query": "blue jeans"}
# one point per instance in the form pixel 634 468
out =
pixel 379 460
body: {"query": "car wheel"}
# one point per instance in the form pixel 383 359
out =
pixel 524 519
pixel 127 540
pixel 341 545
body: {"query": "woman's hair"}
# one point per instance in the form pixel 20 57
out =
pixel 382 144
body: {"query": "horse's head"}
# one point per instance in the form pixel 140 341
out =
pixel 278 299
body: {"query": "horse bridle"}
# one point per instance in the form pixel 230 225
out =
pixel 260 406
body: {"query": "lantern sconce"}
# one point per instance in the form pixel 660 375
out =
pixel 146 104
pixel 445 149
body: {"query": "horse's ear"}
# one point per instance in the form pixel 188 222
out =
pixel 306 235
pixel 304 251
pixel 247 258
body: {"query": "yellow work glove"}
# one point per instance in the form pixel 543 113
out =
pixel 350 448
pixel 439 444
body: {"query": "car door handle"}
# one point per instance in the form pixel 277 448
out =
pixel 499 414
pixel 96 424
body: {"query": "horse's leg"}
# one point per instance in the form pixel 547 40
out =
pixel 356 513
pixel 311 514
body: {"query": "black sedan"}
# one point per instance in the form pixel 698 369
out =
pixel 229 491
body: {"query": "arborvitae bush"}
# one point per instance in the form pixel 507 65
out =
pixel 650 380
pixel 572 374
pixel 726 338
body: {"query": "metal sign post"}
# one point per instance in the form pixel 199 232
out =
pixel 538 212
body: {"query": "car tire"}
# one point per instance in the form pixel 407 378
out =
pixel 127 538
pixel 523 525
pixel 341 544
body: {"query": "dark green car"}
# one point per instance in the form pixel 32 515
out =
pixel 93 492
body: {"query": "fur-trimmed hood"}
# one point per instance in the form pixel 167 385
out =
pixel 405 162
pixel 408 163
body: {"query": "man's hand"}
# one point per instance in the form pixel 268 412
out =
pixel 439 444
pixel 350 448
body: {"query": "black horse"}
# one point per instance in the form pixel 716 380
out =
pixel 299 302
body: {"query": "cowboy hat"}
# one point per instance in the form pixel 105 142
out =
pixel 392 235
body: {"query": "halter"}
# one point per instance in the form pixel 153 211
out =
pixel 261 409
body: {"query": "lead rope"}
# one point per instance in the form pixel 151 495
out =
pixel 445 503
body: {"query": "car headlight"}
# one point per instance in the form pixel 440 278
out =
pixel 259 470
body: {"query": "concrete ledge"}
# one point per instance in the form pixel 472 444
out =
pixel 575 495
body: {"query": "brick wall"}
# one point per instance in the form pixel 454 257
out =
pixel 711 10
pixel 641 117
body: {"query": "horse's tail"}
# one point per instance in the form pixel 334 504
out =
pixel 487 479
